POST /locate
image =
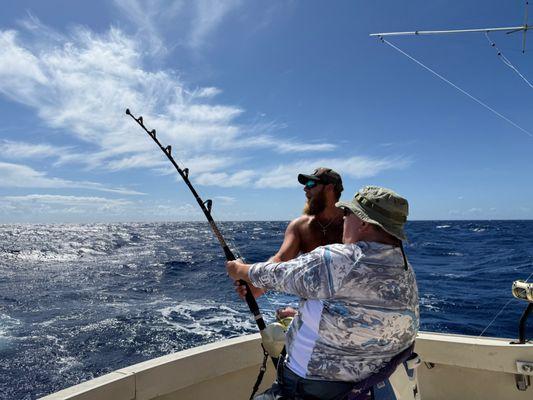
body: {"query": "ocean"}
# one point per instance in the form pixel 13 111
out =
pixel 79 301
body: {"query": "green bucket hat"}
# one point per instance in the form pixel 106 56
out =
pixel 380 206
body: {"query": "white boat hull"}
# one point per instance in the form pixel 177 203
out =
pixel 453 367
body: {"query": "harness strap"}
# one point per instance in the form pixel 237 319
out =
pixel 361 388
pixel 262 370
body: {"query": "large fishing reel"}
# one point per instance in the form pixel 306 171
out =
pixel 524 291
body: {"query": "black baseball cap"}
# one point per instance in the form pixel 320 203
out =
pixel 324 176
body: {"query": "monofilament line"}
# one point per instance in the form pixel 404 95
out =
pixel 501 310
pixel 458 88
pixel 506 61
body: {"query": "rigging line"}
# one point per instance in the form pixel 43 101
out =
pixel 506 61
pixel 458 88
pixel 495 317
pixel 501 310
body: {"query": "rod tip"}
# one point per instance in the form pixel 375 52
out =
pixel 128 111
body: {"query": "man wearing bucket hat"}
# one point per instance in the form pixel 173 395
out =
pixel 358 302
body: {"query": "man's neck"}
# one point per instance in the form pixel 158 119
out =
pixel 329 213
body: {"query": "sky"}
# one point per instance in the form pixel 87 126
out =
pixel 249 94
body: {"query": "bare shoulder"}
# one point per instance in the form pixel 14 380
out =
pixel 300 223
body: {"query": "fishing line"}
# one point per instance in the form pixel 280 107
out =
pixel 458 88
pixel 506 61
pixel 501 310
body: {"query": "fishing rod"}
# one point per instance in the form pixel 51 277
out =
pixel 206 209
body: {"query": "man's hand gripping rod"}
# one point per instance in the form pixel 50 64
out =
pixel 206 208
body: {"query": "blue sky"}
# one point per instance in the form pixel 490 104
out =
pixel 250 94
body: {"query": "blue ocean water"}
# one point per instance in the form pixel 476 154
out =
pixel 78 301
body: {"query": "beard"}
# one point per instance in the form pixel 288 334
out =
pixel 316 204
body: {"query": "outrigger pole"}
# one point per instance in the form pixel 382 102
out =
pixel 206 209
pixel 509 29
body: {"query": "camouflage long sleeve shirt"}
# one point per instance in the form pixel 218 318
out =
pixel 358 308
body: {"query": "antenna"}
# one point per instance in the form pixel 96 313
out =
pixel 525 30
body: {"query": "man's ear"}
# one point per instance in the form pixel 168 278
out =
pixel 365 226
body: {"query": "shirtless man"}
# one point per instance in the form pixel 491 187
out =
pixel 320 224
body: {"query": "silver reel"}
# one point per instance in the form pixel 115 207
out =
pixel 523 290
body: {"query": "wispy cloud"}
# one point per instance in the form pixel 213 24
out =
pixel 22 176
pixel 283 145
pixel 35 207
pixel 81 83
pixel 22 150
pixel 148 19
pixel 226 200
pixel 196 20
pixel 68 200
pixel 284 175
pixel 209 14
pixel 223 179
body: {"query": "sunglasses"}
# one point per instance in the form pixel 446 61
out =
pixel 311 184
pixel 347 211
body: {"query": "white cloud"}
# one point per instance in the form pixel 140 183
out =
pixel 19 69
pixel 80 85
pixel 22 176
pixel 67 200
pixel 209 15
pixel 148 160
pixel 39 207
pixel 283 145
pixel 226 200
pixel 284 175
pixel 148 18
pixel 207 92
pixel 22 150
pixel 35 206
pixel 355 167
pixel 195 20
pixel 223 179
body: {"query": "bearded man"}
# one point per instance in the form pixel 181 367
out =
pixel 321 223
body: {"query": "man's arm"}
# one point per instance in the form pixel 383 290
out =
pixel 311 276
pixel 290 247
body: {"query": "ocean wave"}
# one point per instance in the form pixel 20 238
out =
pixel 455 254
pixel 7 326
pixel 207 319
pixel 99 297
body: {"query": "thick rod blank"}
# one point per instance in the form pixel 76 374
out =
pixel 250 299
pixel 509 28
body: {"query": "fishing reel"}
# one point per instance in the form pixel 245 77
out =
pixel 273 336
pixel 524 291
